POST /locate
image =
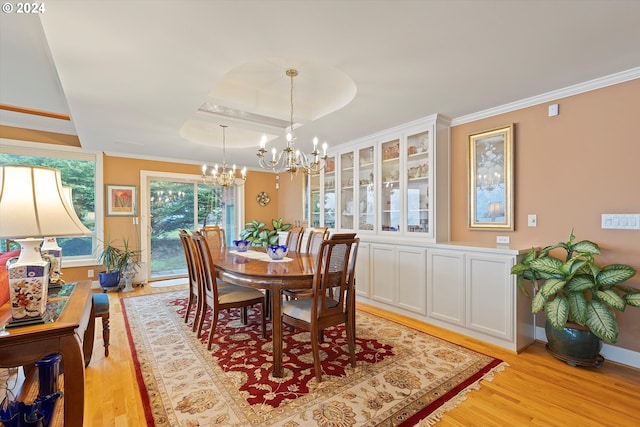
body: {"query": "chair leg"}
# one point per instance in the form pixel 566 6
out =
pixel 351 338
pixel 316 354
pixel 106 333
pixel 214 323
pixel 201 320
pixel 188 310
pixel 199 314
pixel 264 320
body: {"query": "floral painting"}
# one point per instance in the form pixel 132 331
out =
pixel 121 200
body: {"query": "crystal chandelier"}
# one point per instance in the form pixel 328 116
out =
pixel 225 176
pixel 290 159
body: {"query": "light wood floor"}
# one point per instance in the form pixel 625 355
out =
pixel 535 390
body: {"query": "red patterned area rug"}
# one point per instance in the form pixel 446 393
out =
pixel 402 376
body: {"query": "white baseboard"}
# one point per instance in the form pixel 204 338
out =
pixel 609 352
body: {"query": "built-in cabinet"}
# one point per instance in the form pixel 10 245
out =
pixel 398 276
pixel 473 290
pixel 392 188
pixel 392 184
pixel 467 289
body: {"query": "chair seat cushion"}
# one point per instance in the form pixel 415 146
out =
pixel 101 303
pixel 234 293
pixel 301 308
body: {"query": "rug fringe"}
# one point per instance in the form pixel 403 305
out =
pixel 433 418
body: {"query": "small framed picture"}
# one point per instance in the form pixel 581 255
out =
pixel 491 179
pixel 121 200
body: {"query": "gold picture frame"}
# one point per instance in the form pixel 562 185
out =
pixel 490 179
pixel 121 200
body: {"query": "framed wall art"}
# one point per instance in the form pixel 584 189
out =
pixel 121 200
pixel 490 179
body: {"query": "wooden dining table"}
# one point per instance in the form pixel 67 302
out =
pixel 254 269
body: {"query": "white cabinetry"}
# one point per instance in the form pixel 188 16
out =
pixel 473 290
pixel 363 270
pixel 394 184
pixel 398 276
pixel 445 300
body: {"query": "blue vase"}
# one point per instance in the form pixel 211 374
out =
pixel 48 372
pixel 109 279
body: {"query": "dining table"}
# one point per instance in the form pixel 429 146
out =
pixel 254 268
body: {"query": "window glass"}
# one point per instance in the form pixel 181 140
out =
pixel 78 171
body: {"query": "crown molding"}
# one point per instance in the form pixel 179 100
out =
pixel 576 89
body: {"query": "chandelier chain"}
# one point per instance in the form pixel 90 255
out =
pixel 288 159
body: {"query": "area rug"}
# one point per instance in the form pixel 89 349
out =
pixel 402 376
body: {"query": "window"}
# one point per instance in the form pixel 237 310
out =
pixel 79 170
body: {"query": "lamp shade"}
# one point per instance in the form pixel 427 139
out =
pixel 33 204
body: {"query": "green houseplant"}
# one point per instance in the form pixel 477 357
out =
pixel 117 261
pixel 256 232
pixel 574 291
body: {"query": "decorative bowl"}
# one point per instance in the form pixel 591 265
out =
pixel 277 251
pixel 242 245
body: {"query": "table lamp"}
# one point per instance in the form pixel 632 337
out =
pixel 50 247
pixel 33 206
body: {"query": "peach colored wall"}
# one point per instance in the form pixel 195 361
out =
pixel 257 182
pixel 290 202
pixel 22 134
pixel 569 169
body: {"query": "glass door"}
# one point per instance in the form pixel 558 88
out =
pixel 171 207
pixel 330 193
pixel 314 200
pixel 418 183
pixel 176 204
pixel 346 191
pixel 366 189
pixel 390 203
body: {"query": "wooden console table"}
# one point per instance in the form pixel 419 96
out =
pixel 71 335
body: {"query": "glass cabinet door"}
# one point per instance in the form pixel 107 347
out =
pixel 418 183
pixel 366 189
pixel 390 200
pixel 346 190
pixel 330 193
pixel 314 200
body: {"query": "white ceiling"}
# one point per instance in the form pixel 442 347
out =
pixel 132 74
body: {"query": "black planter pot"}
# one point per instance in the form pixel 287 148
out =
pixel 109 279
pixel 574 344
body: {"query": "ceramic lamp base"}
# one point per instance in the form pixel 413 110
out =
pixel 28 282
pixel 50 247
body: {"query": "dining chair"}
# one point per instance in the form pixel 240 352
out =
pixel 314 241
pixel 294 239
pixel 316 237
pixel 333 301
pixel 215 236
pixel 195 292
pixel 222 297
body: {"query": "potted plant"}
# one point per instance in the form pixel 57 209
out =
pixel 118 261
pixel 578 297
pixel 256 232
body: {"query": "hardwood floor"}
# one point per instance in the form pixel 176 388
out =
pixel 535 390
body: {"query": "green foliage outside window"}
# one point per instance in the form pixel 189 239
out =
pixel 80 176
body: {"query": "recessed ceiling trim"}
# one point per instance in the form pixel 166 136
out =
pixel 232 113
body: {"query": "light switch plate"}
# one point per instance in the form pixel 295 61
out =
pixel 532 220
pixel 621 221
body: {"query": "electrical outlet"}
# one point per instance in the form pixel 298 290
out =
pixel 502 240
pixel 89 273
